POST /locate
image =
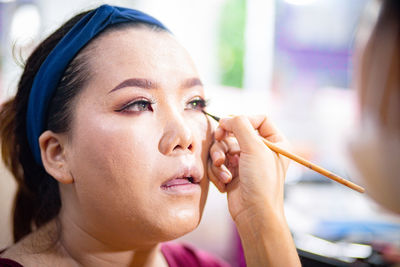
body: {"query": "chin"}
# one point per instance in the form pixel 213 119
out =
pixel 180 222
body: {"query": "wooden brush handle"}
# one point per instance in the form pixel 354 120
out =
pixel 313 166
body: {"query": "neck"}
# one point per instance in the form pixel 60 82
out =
pixel 84 249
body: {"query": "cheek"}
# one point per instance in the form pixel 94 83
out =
pixel 111 165
pixel 112 152
pixel 115 160
pixel 203 131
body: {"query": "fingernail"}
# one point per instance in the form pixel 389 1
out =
pixel 225 177
pixel 217 158
pixel 225 174
pixel 215 155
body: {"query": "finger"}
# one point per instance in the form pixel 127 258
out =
pixel 269 131
pixel 219 133
pixel 243 130
pixel 232 145
pixel 232 163
pixel 217 153
pixel 266 128
pixel 222 173
pixel 229 145
pixel 214 179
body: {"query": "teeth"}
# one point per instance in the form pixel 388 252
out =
pixel 190 179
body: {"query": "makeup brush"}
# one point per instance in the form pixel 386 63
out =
pixel 305 162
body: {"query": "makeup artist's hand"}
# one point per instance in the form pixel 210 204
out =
pixel 243 166
pixel 253 177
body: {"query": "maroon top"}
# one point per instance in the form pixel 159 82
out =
pixel 9 263
pixel 176 255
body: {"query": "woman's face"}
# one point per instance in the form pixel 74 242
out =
pixel 139 142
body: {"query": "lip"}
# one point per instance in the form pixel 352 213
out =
pixel 185 180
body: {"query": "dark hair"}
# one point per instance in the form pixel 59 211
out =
pixel 37 200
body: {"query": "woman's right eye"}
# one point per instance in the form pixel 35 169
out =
pixel 137 106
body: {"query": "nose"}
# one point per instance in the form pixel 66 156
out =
pixel 177 136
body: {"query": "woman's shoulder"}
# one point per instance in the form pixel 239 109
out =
pixel 8 263
pixel 12 256
pixel 5 262
pixel 26 252
pixel 178 254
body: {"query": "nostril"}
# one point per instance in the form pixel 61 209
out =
pixel 181 147
pixel 176 139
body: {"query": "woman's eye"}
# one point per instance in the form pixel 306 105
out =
pixel 137 106
pixel 197 104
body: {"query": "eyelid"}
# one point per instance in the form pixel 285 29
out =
pixel 202 103
pixel 132 101
pixel 198 98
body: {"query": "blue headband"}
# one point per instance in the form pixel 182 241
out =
pixel 53 68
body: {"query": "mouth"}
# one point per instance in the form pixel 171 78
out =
pixel 179 182
pixel 184 180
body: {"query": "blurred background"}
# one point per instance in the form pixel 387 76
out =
pixel 290 59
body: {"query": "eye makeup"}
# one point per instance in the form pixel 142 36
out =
pixel 143 104
pixel 197 103
pixel 137 105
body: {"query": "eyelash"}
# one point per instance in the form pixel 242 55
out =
pixel 145 105
pixel 198 103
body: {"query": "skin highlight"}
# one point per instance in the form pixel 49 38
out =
pixel 115 209
pixel 133 169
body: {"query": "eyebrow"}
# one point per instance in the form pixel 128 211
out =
pixel 192 82
pixel 149 84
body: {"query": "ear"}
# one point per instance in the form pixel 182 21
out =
pixel 52 150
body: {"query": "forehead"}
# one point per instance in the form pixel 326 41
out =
pixel 140 52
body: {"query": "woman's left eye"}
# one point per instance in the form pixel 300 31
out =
pixel 197 104
pixel 137 106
